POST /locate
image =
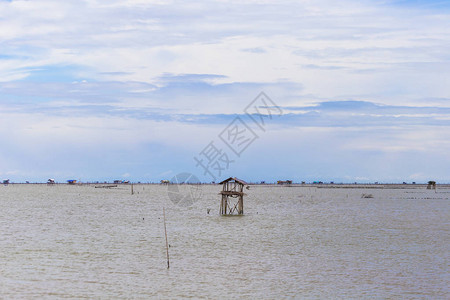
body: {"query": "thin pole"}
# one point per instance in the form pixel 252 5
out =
pixel 165 233
pixel 132 191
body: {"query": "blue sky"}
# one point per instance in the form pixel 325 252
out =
pixel 136 89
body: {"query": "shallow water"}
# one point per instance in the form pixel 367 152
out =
pixel 293 242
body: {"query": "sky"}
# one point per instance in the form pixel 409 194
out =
pixel 141 90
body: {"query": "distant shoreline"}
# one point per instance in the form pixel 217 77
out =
pixel 296 185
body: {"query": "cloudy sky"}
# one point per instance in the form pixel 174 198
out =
pixel 143 90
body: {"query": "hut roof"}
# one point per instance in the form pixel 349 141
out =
pixel 235 179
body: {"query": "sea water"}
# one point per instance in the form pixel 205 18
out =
pixel 62 241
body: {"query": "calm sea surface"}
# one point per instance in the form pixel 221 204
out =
pixel 293 242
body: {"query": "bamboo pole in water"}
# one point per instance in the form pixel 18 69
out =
pixel 165 233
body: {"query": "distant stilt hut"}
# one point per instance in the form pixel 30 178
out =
pixel 233 188
pixel 284 182
pixel 431 185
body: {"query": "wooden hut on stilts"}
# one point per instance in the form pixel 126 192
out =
pixel 431 185
pixel 233 188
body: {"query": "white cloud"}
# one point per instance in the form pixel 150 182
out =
pixel 88 76
pixel 140 40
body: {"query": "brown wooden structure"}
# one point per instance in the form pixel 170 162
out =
pixel 284 182
pixel 431 185
pixel 233 188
